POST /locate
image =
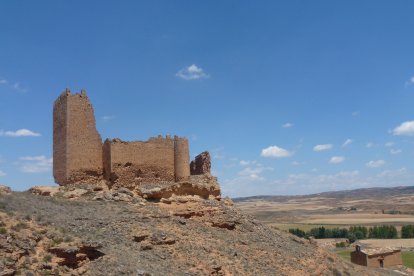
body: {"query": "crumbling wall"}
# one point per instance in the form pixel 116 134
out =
pixel 181 159
pixel 77 145
pixel 201 164
pixel 59 139
pixel 132 163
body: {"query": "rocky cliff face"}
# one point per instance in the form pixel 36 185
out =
pixel 88 231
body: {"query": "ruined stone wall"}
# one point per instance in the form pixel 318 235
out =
pixel 59 139
pixel 77 144
pixel 201 164
pixel 129 164
pixel 181 159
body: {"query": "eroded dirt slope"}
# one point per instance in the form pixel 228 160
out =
pixel 172 237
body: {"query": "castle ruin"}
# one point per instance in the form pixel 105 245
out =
pixel 79 156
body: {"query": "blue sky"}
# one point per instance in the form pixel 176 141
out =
pixel 289 97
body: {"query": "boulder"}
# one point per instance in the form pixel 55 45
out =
pixel 5 189
pixel 44 190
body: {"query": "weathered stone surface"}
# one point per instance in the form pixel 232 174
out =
pixel 44 190
pixel 201 164
pixel 5 189
pixel 77 145
pixel 202 185
pixel 80 157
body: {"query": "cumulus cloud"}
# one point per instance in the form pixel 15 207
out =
pixel 35 164
pixel 323 147
pixel 369 145
pixel 2 173
pixel 395 151
pixel 192 72
pixel 336 159
pixel 347 142
pixel 355 113
pixel 275 152
pixel 19 133
pixel 287 125
pixel 375 163
pixel 406 128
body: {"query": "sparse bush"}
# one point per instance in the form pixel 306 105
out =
pixel 19 226
pixel 3 230
pixel 340 244
pixel 47 258
pixel 67 239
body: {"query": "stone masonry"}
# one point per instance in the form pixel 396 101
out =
pixel 79 156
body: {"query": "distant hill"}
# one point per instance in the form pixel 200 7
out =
pixel 376 192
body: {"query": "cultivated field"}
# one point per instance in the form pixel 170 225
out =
pixel 368 207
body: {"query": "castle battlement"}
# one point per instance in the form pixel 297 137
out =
pixel 79 156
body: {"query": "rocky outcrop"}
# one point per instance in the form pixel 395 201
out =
pixel 204 237
pixel 203 186
pixel 4 189
pixel 43 190
pixel 201 164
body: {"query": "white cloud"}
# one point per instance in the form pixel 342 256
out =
pixel 323 147
pixel 369 145
pixel 254 172
pixel 2 173
pixel 375 163
pixel 336 159
pixel 409 82
pixel 287 125
pixel 275 152
pixel 347 142
pixel 355 113
pixel 389 144
pixel 19 133
pixel 192 72
pixel 244 162
pixel 15 86
pixel 35 164
pixel 406 128
pixel 395 151
pixel 108 117
pixel 295 163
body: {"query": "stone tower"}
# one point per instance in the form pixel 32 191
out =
pixel 181 159
pixel 77 145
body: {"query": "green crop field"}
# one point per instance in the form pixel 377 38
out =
pixel 408 258
pixel 345 254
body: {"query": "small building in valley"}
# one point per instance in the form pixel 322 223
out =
pixel 378 257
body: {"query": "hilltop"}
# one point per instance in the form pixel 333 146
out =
pixel 79 231
pixel 375 192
